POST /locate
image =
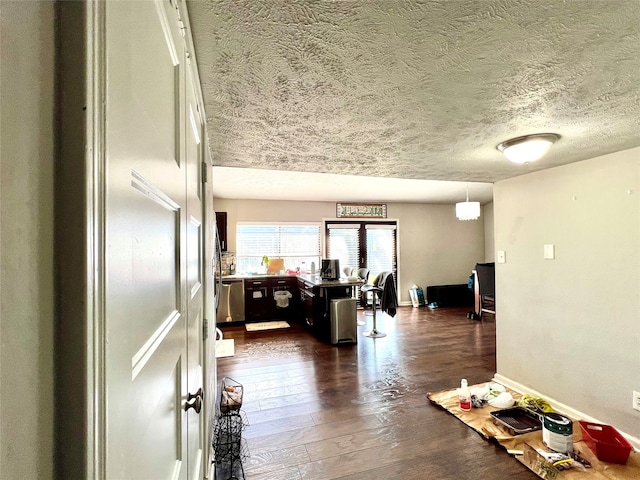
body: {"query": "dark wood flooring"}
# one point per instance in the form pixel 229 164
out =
pixel 360 412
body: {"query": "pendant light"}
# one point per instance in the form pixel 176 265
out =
pixel 527 148
pixel 468 210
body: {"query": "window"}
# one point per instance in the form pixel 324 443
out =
pixel 298 244
pixel 344 244
pixel 370 245
pixel 381 248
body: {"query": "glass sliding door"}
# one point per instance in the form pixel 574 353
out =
pixel 370 245
pixel 343 243
pixel 380 248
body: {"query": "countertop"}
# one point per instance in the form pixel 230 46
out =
pixel 254 276
pixel 315 280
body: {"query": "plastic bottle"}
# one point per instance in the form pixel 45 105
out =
pixel 313 268
pixel 464 395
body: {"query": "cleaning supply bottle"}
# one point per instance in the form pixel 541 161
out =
pixel 464 395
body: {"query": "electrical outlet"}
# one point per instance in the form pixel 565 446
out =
pixel 636 400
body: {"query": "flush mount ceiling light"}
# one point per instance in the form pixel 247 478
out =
pixel 468 210
pixel 527 148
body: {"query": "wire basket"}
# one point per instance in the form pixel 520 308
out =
pixel 228 423
pixel 233 450
pixel 230 396
pixel 229 467
pixel 228 442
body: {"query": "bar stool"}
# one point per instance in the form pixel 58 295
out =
pixel 375 290
pixel 363 274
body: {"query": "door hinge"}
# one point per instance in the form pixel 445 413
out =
pixel 205 329
pixel 204 172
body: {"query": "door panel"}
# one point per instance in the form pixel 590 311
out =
pixel 212 287
pixel 194 235
pixel 147 294
pixel 155 231
pixel 142 83
pixel 145 349
pixel 160 424
pixel 195 265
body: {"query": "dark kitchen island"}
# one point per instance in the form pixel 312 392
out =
pixel 315 299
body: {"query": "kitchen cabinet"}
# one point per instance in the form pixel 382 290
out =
pixel 221 222
pixel 260 302
pixel 283 283
pixel 309 302
pixel 289 284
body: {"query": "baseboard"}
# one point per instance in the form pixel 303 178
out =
pixel 559 406
pixel 409 304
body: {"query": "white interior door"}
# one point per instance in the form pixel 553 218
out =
pixel 212 286
pixel 152 249
pixel 195 281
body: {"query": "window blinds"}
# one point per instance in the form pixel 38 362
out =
pixel 381 248
pixel 344 244
pixel 363 244
pixel 295 240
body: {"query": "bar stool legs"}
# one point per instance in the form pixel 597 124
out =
pixel 374 333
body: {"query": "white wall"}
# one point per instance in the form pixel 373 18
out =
pixel 26 236
pixel 489 241
pixel 570 327
pixel 435 248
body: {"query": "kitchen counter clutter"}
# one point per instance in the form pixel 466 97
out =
pixel 530 448
pixel 318 281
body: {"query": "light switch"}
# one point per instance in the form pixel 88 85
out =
pixel 549 252
pixel 502 256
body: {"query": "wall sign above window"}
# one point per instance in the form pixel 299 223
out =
pixel 367 210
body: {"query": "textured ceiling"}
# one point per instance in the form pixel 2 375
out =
pixel 415 89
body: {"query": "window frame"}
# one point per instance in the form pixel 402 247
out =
pixel 241 258
pixel 364 224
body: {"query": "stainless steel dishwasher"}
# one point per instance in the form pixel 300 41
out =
pixel 231 307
